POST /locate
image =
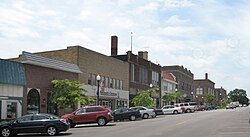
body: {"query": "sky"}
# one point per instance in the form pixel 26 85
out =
pixel 205 36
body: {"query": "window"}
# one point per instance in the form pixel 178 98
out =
pixel 111 83
pixel 121 84
pixel 107 82
pixel 81 111
pixel 143 75
pixel 40 117
pixel 93 79
pixel 103 80
pixel 199 91
pixel 24 119
pixel 118 84
pixel 89 79
pixel 132 72
pixel 114 83
pixel 155 78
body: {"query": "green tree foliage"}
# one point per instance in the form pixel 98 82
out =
pixel 144 98
pixel 239 95
pixel 171 96
pixel 224 102
pixel 209 99
pixel 66 93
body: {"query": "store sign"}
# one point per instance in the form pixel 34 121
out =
pixel 108 93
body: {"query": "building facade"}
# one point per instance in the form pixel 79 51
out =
pixel 39 72
pixel 12 82
pixel 220 94
pixel 114 73
pixel 142 72
pixel 185 80
pixel 203 87
pixel 168 85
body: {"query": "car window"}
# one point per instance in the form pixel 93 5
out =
pixel 186 104
pixel 40 117
pixel 81 111
pixel 97 109
pixel 24 119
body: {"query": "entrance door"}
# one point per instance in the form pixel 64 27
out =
pixel 33 101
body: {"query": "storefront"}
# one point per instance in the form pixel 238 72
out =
pixel 12 81
pixel 111 98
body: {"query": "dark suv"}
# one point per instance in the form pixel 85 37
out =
pixel 89 114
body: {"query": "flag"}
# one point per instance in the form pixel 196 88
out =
pixel 102 86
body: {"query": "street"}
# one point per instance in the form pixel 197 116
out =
pixel 215 123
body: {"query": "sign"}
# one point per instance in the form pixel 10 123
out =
pixel 108 93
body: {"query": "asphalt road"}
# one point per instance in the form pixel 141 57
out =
pixel 215 123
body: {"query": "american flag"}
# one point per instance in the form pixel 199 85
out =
pixel 102 86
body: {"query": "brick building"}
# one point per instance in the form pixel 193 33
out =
pixel 185 80
pixel 203 87
pixel 39 72
pixel 220 94
pixel 142 71
pixel 114 74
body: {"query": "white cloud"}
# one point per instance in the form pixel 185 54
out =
pixel 178 3
pixel 175 20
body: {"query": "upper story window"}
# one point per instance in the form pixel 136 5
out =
pixel 107 82
pixel 110 82
pixel 121 84
pixel 155 78
pixel 132 72
pixel 143 75
pixel 199 91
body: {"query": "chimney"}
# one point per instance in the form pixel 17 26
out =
pixel 143 54
pixel 114 44
pixel 206 76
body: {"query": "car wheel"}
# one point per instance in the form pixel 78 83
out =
pixel 51 131
pixel 188 110
pixel 175 112
pixel 5 132
pixel 72 125
pixel 132 118
pixel 101 121
pixel 145 116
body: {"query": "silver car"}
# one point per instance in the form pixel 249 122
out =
pixel 171 109
pixel 145 112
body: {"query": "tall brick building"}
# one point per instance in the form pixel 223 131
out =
pixel 114 73
pixel 203 87
pixel 185 80
pixel 142 71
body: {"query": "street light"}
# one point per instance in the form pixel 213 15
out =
pixel 98 92
pixel 192 94
pixel 176 97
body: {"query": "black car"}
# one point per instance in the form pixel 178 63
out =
pixel 126 113
pixel 35 123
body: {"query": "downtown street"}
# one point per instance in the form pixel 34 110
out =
pixel 215 123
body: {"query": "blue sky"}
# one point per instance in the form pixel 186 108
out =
pixel 205 36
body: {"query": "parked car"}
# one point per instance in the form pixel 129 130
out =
pixel 145 112
pixel 171 109
pixel 90 114
pixel 230 106
pixel 157 111
pixel 210 107
pixel 35 123
pixel 200 108
pixel 187 107
pixel 126 113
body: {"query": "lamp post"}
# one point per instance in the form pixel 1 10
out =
pixel 192 94
pixel 98 92
pixel 176 97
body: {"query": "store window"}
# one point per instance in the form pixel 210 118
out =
pixel 33 101
pixel 11 110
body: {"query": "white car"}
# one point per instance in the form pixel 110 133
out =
pixel 145 112
pixel 171 109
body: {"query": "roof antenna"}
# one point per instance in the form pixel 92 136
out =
pixel 131 41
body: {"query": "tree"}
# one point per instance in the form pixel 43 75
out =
pixel 66 93
pixel 168 97
pixel 209 99
pixel 144 98
pixel 239 95
pixel 224 102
